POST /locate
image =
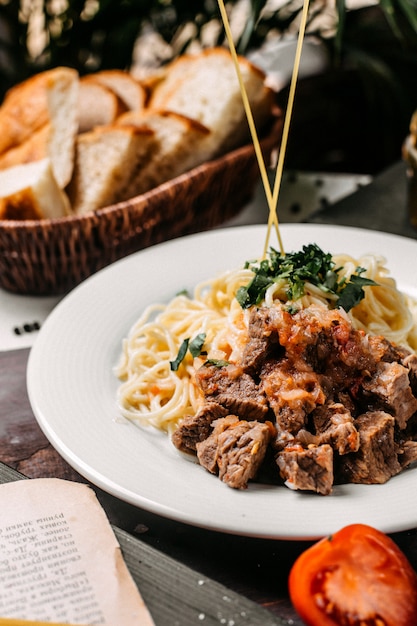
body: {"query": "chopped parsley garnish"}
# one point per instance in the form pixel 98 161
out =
pixel 292 310
pixel 353 292
pixel 216 363
pixel 310 265
pixel 194 346
pixel 174 365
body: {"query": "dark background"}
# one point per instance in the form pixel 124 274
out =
pixel 352 117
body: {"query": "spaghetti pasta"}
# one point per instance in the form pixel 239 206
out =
pixel 384 310
pixel 152 393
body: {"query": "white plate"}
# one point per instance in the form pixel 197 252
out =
pixel 72 390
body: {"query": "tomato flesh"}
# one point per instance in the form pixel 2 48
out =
pixel 356 577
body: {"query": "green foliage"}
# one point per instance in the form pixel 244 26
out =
pixel 380 42
pixel 87 34
pixel 94 34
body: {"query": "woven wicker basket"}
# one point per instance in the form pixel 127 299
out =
pixel 50 257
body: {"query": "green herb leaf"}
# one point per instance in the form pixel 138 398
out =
pixel 292 310
pixel 254 292
pixel 195 350
pixel 174 365
pixel 216 363
pixel 196 344
pixel 353 292
pixel 310 265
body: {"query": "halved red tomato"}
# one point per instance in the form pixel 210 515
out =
pixel 358 576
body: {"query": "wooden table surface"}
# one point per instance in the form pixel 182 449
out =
pixel 256 569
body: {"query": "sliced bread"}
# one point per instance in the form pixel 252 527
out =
pixel 107 163
pixel 48 97
pixel 49 142
pixel 97 105
pixel 43 109
pixel 30 191
pixel 125 86
pixel 206 88
pixel 180 139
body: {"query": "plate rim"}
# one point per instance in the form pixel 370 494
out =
pixel 111 486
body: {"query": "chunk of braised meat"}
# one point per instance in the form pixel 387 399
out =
pixel 345 398
pixel 262 339
pixel 235 450
pixel 307 469
pixel 384 350
pixel 409 360
pixel 334 424
pixel 389 388
pixel 195 428
pixel 325 352
pixel 376 460
pixel 284 438
pixel 293 390
pixel 233 389
pixel 343 402
pixel 324 339
pixel 407 453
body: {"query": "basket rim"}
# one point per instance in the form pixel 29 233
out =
pixel 273 134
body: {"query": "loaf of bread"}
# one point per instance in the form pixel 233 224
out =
pixel 38 119
pixel 180 140
pixel 108 162
pixel 49 142
pixel 108 137
pixel 205 87
pixel 97 105
pixel 30 192
pixel 130 91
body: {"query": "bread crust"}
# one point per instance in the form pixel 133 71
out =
pixel 107 165
pixel 97 105
pixel 130 91
pixel 34 148
pixel 30 191
pixel 26 107
pixel 205 87
pixel 108 140
pixel 180 140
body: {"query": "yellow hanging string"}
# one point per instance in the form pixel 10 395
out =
pixel 287 120
pixel 248 112
pixel 272 198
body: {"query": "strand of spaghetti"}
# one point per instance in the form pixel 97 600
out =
pixel 287 120
pixel 252 128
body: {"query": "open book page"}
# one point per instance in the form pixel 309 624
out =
pixel 60 560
